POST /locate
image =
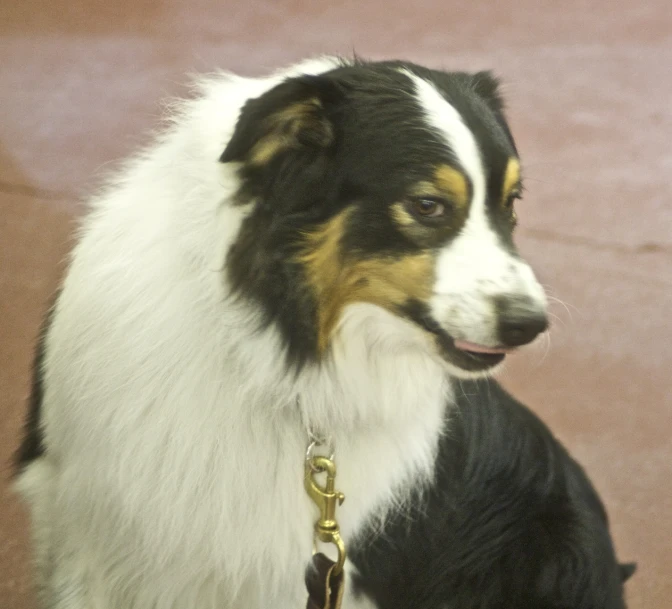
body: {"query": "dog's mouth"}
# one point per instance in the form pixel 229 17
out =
pixel 470 357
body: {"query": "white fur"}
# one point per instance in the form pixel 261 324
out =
pixel 173 471
pixel 474 268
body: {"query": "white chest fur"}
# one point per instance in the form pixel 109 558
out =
pixel 174 443
pixel 183 467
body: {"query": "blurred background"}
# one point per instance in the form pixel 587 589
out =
pixel 589 86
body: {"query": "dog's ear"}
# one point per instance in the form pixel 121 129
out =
pixel 294 115
pixel 627 569
pixel 487 85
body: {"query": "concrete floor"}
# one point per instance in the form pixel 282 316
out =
pixel 589 88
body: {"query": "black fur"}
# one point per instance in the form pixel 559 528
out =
pixel 511 522
pixel 32 443
pixel 362 141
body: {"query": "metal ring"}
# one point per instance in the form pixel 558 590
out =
pixel 310 453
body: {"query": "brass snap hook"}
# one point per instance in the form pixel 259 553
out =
pixel 326 498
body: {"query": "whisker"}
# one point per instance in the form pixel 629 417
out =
pixel 565 306
pixel 547 341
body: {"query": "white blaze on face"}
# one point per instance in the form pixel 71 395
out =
pixel 474 269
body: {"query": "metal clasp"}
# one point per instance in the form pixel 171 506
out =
pixel 326 498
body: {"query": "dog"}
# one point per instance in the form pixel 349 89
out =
pixel 510 520
pixel 319 253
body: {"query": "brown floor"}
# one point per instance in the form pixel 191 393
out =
pixel 589 85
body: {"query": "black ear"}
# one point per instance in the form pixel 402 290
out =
pixel 628 569
pixel 293 115
pixel 486 84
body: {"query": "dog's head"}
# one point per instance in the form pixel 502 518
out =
pixel 391 185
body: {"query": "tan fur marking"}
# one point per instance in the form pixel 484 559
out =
pixel 338 281
pixel 285 126
pixel 425 188
pixel 401 216
pixel 266 149
pixel 511 179
pixel 450 181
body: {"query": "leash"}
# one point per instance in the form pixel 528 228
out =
pixel 324 578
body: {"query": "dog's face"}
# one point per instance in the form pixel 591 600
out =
pixel 391 185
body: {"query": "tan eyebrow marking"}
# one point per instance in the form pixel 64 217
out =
pixel 511 179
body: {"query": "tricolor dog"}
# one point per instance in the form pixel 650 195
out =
pixel 325 251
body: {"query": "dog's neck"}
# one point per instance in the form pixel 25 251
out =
pixel 380 373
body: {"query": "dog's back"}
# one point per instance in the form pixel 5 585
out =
pixel 510 521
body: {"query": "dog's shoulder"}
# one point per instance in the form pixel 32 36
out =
pixel 510 515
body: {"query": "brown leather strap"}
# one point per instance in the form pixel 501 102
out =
pixel 325 590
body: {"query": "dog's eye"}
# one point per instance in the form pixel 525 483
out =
pixel 428 207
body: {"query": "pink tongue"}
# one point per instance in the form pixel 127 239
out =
pixel 463 345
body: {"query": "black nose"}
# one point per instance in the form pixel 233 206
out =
pixel 520 321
